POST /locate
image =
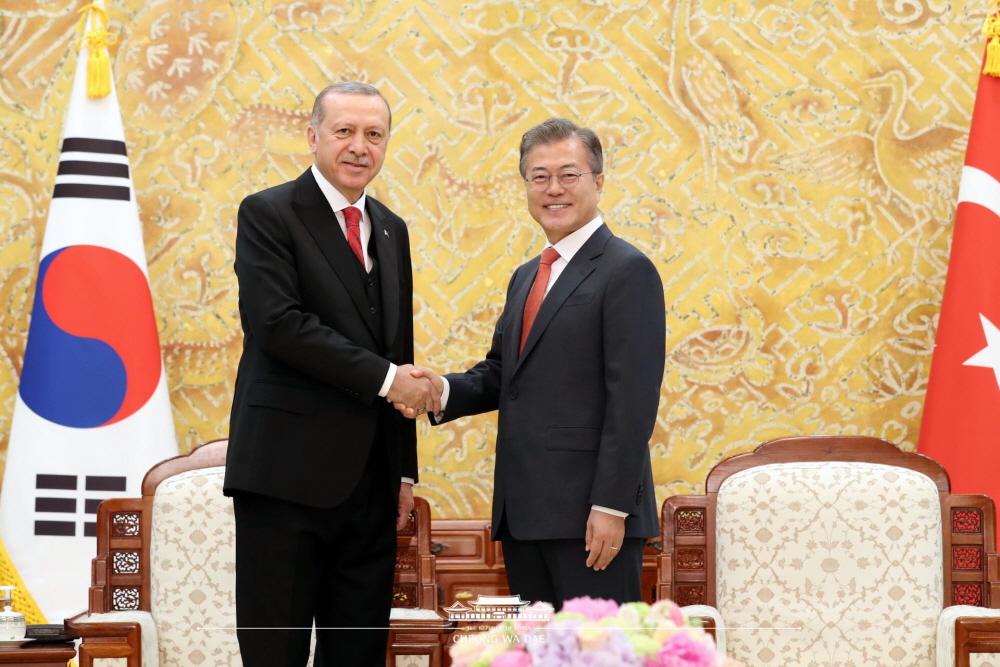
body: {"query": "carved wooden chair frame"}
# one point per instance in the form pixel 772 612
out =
pixel 972 568
pixel 120 572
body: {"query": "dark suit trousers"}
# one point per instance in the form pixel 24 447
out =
pixel 556 570
pixel 296 564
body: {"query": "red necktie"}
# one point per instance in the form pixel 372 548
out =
pixel 352 217
pixel 537 293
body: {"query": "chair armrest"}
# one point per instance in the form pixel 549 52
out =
pixel 421 621
pixel 405 614
pixel 119 634
pixel 963 630
pixel 711 620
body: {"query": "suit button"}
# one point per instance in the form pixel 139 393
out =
pixel 513 394
pixel 370 282
pixel 373 310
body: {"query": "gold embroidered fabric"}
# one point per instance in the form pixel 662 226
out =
pixel 790 167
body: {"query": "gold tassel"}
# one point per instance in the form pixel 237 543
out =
pixel 992 66
pixel 98 73
pixel 96 40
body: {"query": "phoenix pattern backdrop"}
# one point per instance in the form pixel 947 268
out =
pixel 790 166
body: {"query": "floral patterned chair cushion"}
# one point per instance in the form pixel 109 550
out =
pixel 829 563
pixel 193 571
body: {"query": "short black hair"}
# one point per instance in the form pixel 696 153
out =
pixel 559 129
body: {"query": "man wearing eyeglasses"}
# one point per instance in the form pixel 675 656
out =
pixel 575 370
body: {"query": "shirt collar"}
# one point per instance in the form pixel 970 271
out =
pixel 570 244
pixel 338 202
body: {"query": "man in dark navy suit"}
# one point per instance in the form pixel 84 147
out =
pixel 575 370
pixel 320 466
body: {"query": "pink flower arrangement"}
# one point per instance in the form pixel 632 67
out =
pixel 595 633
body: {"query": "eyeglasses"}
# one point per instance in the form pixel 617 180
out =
pixel 567 179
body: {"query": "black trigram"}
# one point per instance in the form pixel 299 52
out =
pixel 46 502
pixel 91 173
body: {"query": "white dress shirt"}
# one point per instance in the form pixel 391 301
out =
pixel 338 202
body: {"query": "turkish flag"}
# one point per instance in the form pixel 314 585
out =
pixel 961 420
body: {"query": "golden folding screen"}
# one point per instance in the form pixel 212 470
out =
pixel 791 168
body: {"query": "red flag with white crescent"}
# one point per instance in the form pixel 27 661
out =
pixel 960 419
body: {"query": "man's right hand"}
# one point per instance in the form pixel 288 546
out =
pixel 413 391
pixel 424 373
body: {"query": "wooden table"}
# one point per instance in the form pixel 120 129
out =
pixel 33 654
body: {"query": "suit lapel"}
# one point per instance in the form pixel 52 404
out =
pixel 581 266
pixel 388 269
pixel 319 219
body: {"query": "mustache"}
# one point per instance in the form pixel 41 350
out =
pixel 359 159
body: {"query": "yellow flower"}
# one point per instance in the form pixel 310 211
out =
pixel 592 638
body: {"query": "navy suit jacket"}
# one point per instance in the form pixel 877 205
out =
pixel 578 405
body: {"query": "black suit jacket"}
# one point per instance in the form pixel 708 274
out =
pixel 306 408
pixel 578 406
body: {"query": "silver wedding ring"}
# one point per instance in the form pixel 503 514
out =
pixel 421 410
pixel 615 548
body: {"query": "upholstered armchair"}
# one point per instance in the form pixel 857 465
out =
pixel 163 590
pixel 841 551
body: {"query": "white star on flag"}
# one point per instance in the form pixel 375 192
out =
pixel 989 356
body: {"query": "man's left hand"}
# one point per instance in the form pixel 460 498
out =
pixel 605 534
pixel 405 505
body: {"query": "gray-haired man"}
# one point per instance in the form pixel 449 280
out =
pixel 316 455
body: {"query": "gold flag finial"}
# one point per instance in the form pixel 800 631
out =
pixel 991 30
pixel 96 39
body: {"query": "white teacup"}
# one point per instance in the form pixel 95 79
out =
pixel 11 625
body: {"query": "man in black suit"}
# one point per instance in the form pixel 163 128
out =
pixel 575 371
pixel 320 466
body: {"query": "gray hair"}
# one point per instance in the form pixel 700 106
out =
pixel 559 129
pixel 344 88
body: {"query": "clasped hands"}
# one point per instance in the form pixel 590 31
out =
pixel 415 390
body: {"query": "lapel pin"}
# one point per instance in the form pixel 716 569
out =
pixel 386 232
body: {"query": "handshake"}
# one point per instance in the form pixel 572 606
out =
pixel 415 390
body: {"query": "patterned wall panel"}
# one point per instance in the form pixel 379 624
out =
pixel 789 166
